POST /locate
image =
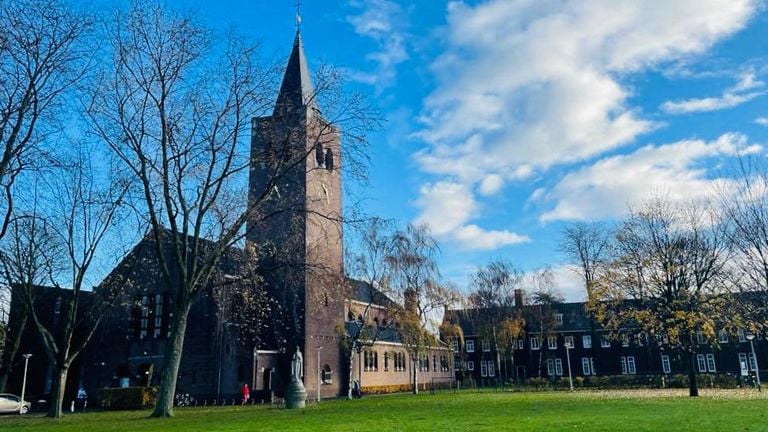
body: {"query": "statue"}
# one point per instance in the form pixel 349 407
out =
pixel 297 364
pixel 296 394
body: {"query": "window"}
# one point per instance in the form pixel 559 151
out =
pixel 158 315
pixel 144 316
pixel 711 363
pixel 722 336
pixel 585 366
pixel 742 335
pixel 486 345
pixel 455 346
pixel 586 340
pixel 434 362
pixel 700 339
pixel 605 342
pixel 631 365
pixel 569 342
pixel 752 362
pixel 702 362
pixel 743 363
pixel 534 343
pixel 399 362
pixel 470 345
pixel 370 361
pixel 386 361
pixel 520 344
pixel 491 369
pixel 624 340
pixel 327 375
pixel 483 368
pixel 550 367
pixel 559 319
pixel 470 365
pixel 592 364
pixel 558 367
pixel 665 366
pixel 552 342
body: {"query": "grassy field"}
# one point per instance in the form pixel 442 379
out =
pixel 467 411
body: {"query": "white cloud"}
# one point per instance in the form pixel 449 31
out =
pixel 533 84
pixel 762 121
pixel 382 21
pixel 607 188
pixel 741 92
pixel 447 207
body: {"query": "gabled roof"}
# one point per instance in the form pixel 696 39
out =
pixel 296 90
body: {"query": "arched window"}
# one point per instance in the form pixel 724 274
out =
pixel 329 160
pixel 319 154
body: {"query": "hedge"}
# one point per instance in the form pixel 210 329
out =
pixel 129 398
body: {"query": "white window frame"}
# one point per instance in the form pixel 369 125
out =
pixel 569 340
pixel 558 366
pixel 586 366
pixel 605 341
pixel 535 342
pixel 625 340
pixel 742 335
pixel 586 341
pixel 559 319
pixel 743 362
pixel 470 365
pixel 592 365
pixel 722 336
pixel 550 367
pixel 483 368
pixel 711 365
pixel 469 345
pixel 701 362
pixel 491 369
pixel 752 362
pixel 700 339
pixel 623 361
pixel 631 366
pixel 486 345
pixel 552 342
pixel 666 366
pixel 455 346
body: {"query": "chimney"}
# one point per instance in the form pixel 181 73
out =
pixel 518 297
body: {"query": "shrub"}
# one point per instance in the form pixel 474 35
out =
pixel 127 398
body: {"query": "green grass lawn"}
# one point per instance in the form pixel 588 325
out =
pixel 466 411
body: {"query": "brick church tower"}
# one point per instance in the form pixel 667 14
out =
pixel 295 186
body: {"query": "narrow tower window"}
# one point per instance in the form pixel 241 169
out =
pixel 329 160
pixel 319 155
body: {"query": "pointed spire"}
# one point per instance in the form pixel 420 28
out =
pixel 296 90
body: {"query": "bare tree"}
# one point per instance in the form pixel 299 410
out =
pixel 178 120
pixel 41 57
pixel 491 308
pixel 586 245
pixel 540 314
pixel 416 280
pixel 744 203
pixel 667 278
pixel 28 258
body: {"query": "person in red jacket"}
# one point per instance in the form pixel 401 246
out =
pixel 246 393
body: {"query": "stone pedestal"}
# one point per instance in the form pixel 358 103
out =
pixel 296 394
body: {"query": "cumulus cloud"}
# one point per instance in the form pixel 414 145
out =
pixel 383 21
pixel 746 89
pixel 447 207
pixel 527 85
pixel 607 188
pixel 762 121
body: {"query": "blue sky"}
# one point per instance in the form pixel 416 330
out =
pixel 509 118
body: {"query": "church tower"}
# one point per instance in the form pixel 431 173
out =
pixel 295 189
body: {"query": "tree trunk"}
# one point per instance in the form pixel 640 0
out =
pixel 415 377
pixel 56 410
pixel 172 360
pixel 693 387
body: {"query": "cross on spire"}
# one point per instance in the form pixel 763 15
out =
pixel 298 15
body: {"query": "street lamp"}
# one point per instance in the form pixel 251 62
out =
pixel 319 377
pixel 751 338
pixel 24 382
pixel 568 346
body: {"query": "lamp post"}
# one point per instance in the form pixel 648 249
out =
pixel 24 381
pixel 568 346
pixel 319 377
pixel 751 338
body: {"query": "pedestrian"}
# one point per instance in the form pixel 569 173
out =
pixel 246 393
pixel 82 398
